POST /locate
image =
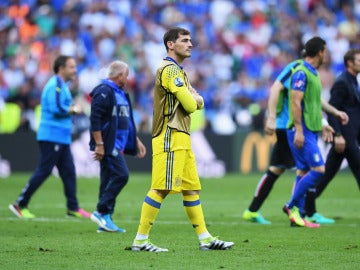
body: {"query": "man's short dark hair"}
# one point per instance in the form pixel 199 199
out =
pixel 173 34
pixel 60 61
pixel 350 55
pixel 314 45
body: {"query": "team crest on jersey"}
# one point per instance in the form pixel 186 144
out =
pixel 178 82
pixel 115 152
pixel 316 157
pixel 58 89
pixel 299 84
pixel 178 181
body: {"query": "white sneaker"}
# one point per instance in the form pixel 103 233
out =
pixel 213 243
pixel 146 245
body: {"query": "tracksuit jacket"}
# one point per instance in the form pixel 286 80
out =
pixel 104 118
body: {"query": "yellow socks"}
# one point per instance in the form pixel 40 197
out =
pixel 195 214
pixel 149 211
pixel 151 207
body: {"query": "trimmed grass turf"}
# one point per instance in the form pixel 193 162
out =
pixel 53 241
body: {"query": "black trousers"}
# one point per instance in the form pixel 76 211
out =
pixel 333 163
pixel 51 155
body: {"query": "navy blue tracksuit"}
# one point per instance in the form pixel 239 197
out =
pixel 111 113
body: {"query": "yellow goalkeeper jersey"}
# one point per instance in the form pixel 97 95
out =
pixel 173 104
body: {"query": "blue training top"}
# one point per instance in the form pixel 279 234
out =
pixel 55 122
pixel 284 77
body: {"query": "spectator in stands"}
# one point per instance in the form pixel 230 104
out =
pixel 223 30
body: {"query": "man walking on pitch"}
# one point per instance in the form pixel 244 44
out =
pixel 173 161
pixel 305 121
pixel 345 95
pixel 112 134
pixel 54 138
pixel 281 156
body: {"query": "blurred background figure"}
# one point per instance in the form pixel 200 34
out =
pixel 239 48
pixel 54 138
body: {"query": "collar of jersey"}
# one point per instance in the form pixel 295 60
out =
pixel 310 67
pixel 113 85
pixel 168 58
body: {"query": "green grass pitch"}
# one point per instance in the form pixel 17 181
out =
pixel 53 241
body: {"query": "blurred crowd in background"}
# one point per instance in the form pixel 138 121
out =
pixel 239 47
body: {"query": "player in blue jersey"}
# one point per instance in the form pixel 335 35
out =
pixel 54 138
pixel 305 121
pixel 345 95
pixel 281 157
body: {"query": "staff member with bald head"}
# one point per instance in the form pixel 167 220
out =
pixel 113 134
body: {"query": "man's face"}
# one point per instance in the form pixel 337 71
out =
pixel 182 46
pixel 323 56
pixel 69 70
pixel 355 65
pixel 122 78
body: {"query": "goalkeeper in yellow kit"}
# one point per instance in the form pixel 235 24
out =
pixel 173 162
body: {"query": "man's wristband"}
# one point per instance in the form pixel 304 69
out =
pixel 337 134
pixel 99 144
pixel 74 109
pixel 324 122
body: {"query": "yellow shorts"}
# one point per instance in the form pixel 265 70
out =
pixel 175 171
